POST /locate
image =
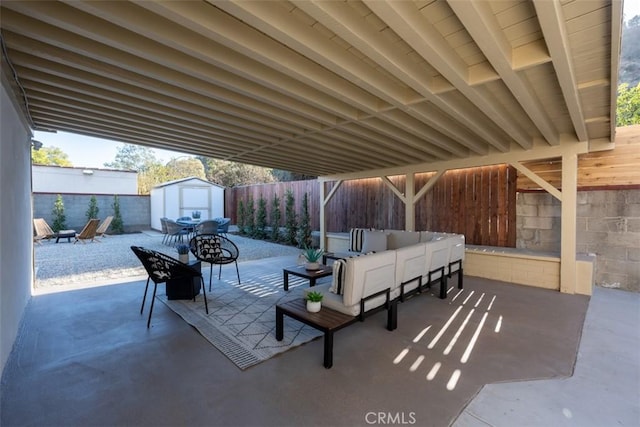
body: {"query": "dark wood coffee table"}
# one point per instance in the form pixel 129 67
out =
pixel 326 320
pixel 310 275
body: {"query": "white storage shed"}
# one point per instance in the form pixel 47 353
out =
pixel 182 197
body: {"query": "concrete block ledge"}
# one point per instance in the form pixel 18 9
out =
pixel 526 267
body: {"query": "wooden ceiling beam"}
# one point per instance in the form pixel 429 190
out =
pixel 406 20
pixel 482 25
pixel 351 27
pixel 89 55
pixel 553 27
pixel 300 37
pixel 196 53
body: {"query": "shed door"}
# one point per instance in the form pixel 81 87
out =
pixel 195 199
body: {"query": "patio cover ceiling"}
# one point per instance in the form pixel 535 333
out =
pixel 321 87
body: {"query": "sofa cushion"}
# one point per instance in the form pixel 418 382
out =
pixel 400 239
pixel 426 236
pixel 410 266
pixel 366 275
pixel 439 256
pixel 374 241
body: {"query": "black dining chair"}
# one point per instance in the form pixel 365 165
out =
pixel 161 268
pixel 208 226
pixel 215 249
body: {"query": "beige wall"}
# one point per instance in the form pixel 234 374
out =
pixel 16 251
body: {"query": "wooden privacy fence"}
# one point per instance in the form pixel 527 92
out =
pixel 479 203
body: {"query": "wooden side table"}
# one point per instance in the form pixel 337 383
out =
pixel 326 320
pixel 310 275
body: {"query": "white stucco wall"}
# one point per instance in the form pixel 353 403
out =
pixel 56 179
pixel 16 251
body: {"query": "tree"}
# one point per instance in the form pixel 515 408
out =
pixel 59 218
pixel 242 218
pixel 133 157
pixel 629 70
pixel 250 222
pixel 304 232
pixel 154 174
pixel 151 171
pixel 232 174
pixel 93 210
pixel 184 168
pixel 628 106
pixel 142 159
pixel 275 218
pixel 291 223
pixel 284 176
pixel 261 218
pixel 50 156
pixel 117 225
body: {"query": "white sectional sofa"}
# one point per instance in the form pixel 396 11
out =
pixel 361 285
pixel 383 266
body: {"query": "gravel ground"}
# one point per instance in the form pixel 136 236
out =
pixel 111 260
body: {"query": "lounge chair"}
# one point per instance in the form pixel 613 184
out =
pixel 161 268
pixel 215 249
pixel 41 230
pixel 88 232
pixel 102 229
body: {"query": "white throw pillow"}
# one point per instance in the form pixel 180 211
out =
pixel 374 241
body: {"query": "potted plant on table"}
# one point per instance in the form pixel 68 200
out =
pixel 183 253
pixel 196 214
pixel 314 301
pixel 312 257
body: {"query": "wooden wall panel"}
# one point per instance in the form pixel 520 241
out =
pixel 479 203
pixel 619 167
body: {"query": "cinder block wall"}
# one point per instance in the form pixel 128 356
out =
pixel 608 225
pixel 135 210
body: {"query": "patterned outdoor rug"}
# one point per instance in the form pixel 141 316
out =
pixel 242 318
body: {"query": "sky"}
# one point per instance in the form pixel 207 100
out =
pixel 85 151
pixel 631 9
pixel 88 152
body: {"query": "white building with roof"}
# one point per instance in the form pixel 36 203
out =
pixel 181 197
pixel 76 180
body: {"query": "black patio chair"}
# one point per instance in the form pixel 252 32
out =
pixel 161 268
pixel 215 249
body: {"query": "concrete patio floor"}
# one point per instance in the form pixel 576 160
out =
pixel 84 357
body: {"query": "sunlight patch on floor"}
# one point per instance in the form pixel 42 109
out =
pixel 474 305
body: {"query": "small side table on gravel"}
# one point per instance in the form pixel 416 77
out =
pixel 65 234
pixel 310 275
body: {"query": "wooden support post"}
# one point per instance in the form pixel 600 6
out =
pixel 568 273
pixel 323 225
pixel 409 203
